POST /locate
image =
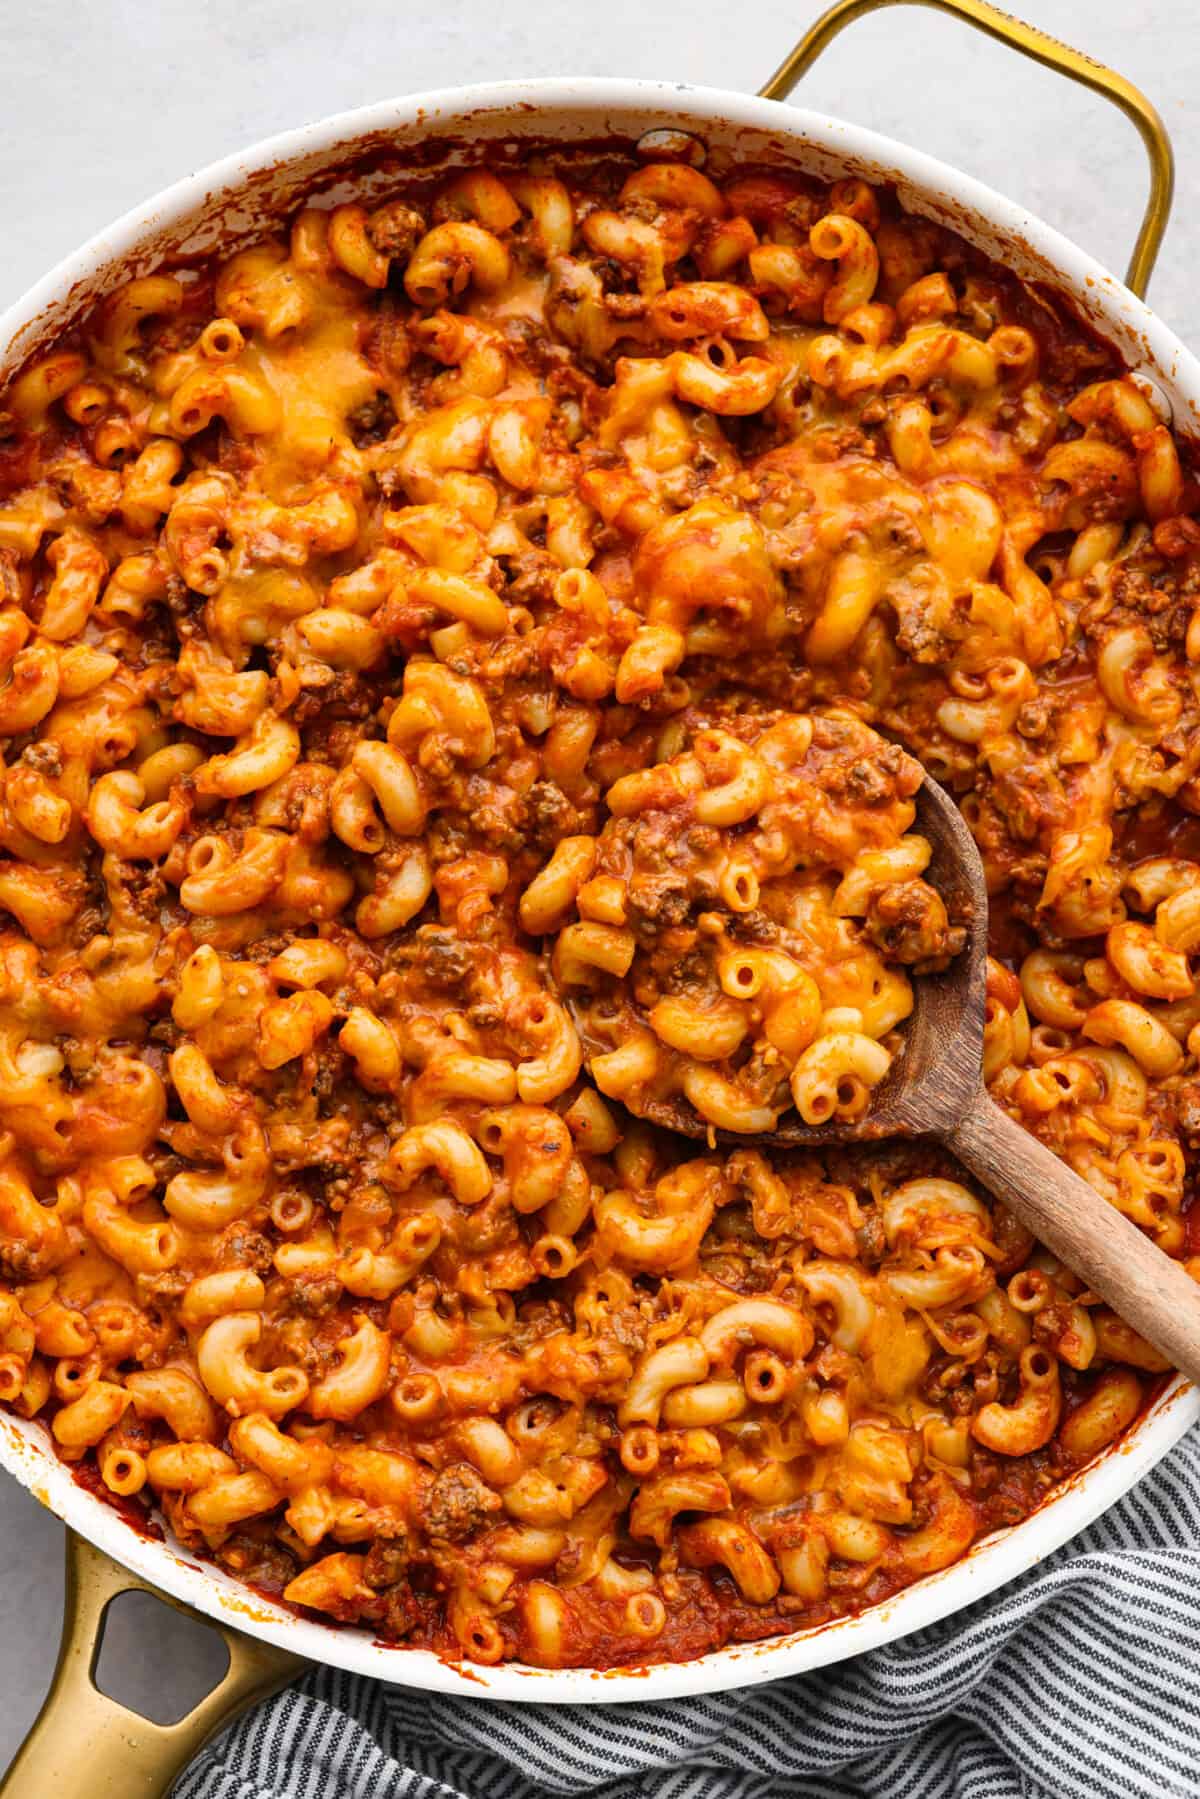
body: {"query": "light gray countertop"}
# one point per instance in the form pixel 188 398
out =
pixel 104 104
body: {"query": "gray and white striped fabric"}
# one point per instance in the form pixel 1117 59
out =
pixel 1079 1681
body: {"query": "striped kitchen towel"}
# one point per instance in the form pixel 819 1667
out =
pixel 1079 1681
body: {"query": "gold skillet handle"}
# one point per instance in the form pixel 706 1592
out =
pixel 1044 49
pixel 84 1745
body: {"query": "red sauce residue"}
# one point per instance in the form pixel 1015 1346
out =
pixel 136 1515
pixel 463 1669
pixel 1141 836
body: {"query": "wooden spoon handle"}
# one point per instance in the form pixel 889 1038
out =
pixel 1148 1289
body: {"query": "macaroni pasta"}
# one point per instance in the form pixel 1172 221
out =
pixel 513 602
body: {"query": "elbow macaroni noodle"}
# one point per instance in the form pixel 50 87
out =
pixel 514 603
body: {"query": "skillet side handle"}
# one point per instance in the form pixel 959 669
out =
pixel 1044 49
pixel 84 1745
pixel 1138 1280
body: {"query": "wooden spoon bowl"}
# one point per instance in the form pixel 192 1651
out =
pixel 934 1089
pixel 935 1078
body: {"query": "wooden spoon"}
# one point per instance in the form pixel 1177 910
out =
pixel 935 1089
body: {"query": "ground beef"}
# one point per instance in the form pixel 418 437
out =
pixel 92 921
pixel 170 1285
pixel 1187 1111
pixel 143 887
pixel 249 1249
pixel 386 1561
pixel 373 421
pixel 184 606
pixel 401 1613
pixel 312 1296
pixel 916 634
pixel 660 899
pixel 45 757
pixel 907 921
pixel 395 229
pixel 871 1240
pixel 532 575
pixel 343 696
pixel 330 1067
pixel 869 782
pixel 627 1328
pixel 753 927
pixel 20 1261
pixel 551 814
pixel 264 949
pixel 10 578
pixel 457 1504
pixel 443 959
pixel 1160 602
pixel 259 1559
